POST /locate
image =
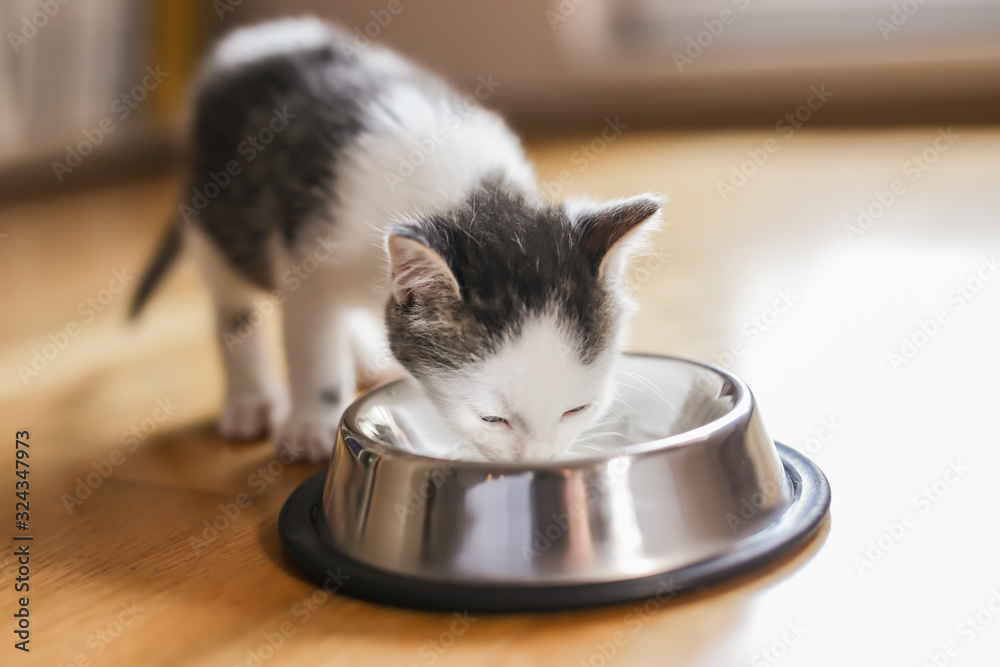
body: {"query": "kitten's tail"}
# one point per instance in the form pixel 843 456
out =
pixel 166 253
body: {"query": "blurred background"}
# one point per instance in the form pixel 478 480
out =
pixel 832 238
pixel 76 77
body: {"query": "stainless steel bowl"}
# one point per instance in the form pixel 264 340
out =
pixel 683 481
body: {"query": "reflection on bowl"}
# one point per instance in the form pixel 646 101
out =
pixel 651 401
pixel 681 471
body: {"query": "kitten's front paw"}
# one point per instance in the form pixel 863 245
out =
pixel 308 437
pixel 252 416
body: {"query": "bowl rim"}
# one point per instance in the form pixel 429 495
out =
pixel 740 412
pixel 304 532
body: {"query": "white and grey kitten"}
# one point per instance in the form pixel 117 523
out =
pixel 506 307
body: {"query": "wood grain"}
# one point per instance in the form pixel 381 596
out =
pixel 118 580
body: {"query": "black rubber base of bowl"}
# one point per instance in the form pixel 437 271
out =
pixel 307 541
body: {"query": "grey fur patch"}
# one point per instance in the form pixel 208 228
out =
pixel 279 123
pixel 513 258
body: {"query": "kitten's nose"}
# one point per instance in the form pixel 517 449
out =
pixel 522 449
pixel 532 450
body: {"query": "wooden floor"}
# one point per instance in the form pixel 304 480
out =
pixel 870 342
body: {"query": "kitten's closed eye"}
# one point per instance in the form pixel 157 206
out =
pixel 487 276
pixel 493 419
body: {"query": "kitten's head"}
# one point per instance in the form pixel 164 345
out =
pixel 510 313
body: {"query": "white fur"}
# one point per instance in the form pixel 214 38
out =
pixel 455 149
pixel 420 153
pixel 368 203
pixel 255 401
pixel 531 382
pixel 269 39
pixel 381 181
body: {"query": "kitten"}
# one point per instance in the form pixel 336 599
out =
pixel 312 162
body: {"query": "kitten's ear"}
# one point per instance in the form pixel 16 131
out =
pixel 416 271
pixel 613 231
